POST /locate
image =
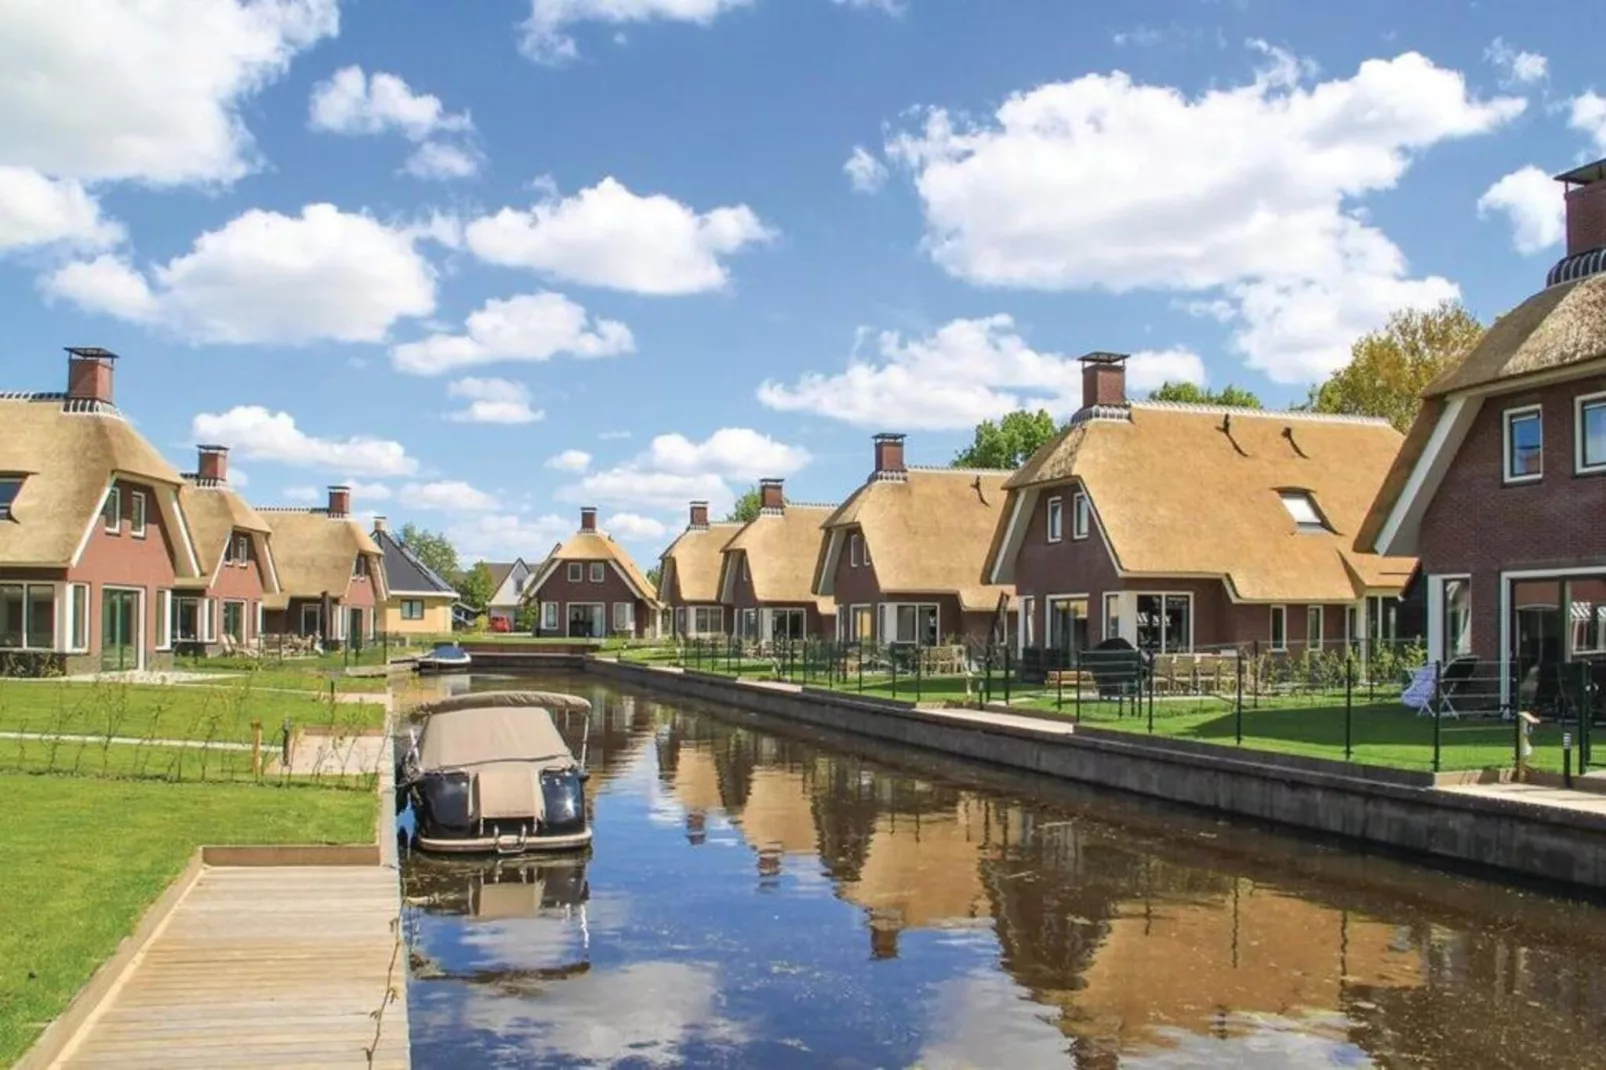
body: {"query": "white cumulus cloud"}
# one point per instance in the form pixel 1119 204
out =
pixel 492 401
pixel 35 210
pixel 675 469
pixel 891 7
pixel 255 433
pixel 504 536
pixel 1242 193
pixel 865 172
pixel 1587 114
pixel 966 371
pixel 610 237
pixel 569 461
pixel 634 527
pixel 352 103
pixel 441 161
pixel 447 495
pixel 1516 66
pixel 265 277
pixel 1532 203
pixel 545 37
pixel 529 327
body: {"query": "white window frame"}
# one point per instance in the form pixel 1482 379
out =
pixel 114 499
pixel 76 597
pixel 549 617
pixel 1442 645
pixel 242 549
pixel 1054 518
pixel 889 621
pixel 599 572
pixel 260 615
pixel 1162 596
pixel 1318 614
pixel 1304 498
pixel 626 621
pixel 164 619
pixel 1110 615
pixel 1507 418
pixel 1081 515
pixel 855 549
pixel 1050 602
pixel 701 617
pixel 1580 403
pixel 317 615
pixel 56 602
pixel 577 572
pixel 223 626
pixel 407 606
pixel 1277 613
pixel 137 509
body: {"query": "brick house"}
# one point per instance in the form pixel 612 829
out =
pixel 1182 528
pixel 420 602
pixel 766 576
pixel 508 581
pixel 689 576
pixel 1500 486
pixel 93 537
pixel 222 609
pixel 903 557
pixel 589 587
pixel 331 575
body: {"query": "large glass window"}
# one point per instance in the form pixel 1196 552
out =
pixel 1067 623
pixel 549 617
pixel 1525 444
pixel 1457 617
pixel 1279 627
pixel 708 620
pixel 234 621
pixel 624 616
pixel 787 624
pixel 28 616
pixel 187 619
pixel 1591 419
pixel 1165 623
pixel 914 623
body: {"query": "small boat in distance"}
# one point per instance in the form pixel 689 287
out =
pixel 447 657
pixel 490 773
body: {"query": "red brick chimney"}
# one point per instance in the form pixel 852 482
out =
pixel 699 516
pixel 588 519
pixel 339 501
pixel 889 457
pixel 89 374
pixel 770 498
pixel 380 524
pixel 1103 379
pixel 212 464
pixel 1586 207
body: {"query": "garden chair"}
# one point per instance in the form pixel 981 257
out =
pixel 1453 684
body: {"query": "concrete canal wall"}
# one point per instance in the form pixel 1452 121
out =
pixel 527 657
pixel 1398 809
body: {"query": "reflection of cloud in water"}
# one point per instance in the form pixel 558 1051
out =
pixel 983 1020
pixel 644 1012
pixel 552 939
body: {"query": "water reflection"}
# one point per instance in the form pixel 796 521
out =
pixel 759 898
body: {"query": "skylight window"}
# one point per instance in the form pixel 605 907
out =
pixel 9 489
pixel 1302 507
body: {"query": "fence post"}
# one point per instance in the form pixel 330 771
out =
pixel 1254 683
pixel 919 674
pixel 1438 713
pixel 861 664
pixel 1006 674
pixel 1076 665
pixel 986 695
pixel 1586 709
pixel 1149 673
pixel 892 662
pixel 256 748
pixel 1349 708
pixel 1238 706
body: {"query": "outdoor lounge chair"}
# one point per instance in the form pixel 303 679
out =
pixel 1453 684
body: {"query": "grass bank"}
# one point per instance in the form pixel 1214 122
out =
pixel 83 858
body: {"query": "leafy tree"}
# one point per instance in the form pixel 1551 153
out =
pixel 746 507
pixel 655 576
pixel 1193 394
pixel 432 548
pixel 1390 367
pixel 474 586
pixel 1009 443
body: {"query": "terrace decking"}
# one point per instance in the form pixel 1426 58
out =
pixel 261 966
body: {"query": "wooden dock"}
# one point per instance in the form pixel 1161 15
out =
pixel 260 966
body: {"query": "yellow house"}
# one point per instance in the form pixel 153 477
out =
pixel 420 602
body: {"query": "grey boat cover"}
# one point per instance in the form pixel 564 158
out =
pixel 506 739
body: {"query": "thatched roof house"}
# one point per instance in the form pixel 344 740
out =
pixel 331 573
pixel 219 518
pixel 689 572
pixel 904 555
pixel 767 569
pixel 590 587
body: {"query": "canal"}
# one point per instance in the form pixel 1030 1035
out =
pixel 760 895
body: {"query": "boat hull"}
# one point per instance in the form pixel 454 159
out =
pixel 437 668
pixel 503 845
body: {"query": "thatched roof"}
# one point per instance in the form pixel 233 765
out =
pixel 594 546
pixel 69 452
pixel 1176 495
pixel 927 533
pixel 315 552
pixel 782 550
pixel 1559 327
pixel 215 512
pixel 692 562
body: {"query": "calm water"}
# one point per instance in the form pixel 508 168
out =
pixel 762 896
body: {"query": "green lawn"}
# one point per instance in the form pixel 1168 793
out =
pixel 83 858
pixel 291 677
pixel 153 711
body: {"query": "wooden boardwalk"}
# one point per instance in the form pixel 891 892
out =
pixel 262 966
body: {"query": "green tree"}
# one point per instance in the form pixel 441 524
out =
pixel 1390 367
pixel 746 507
pixel 432 548
pixel 655 576
pixel 474 586
pixel 1193 394
pixel 1009 443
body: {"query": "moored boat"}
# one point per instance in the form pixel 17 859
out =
pixel 490 773
pixel 447 657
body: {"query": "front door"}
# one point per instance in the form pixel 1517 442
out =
pixel 585 620
pixel 120 644
pixel 354 629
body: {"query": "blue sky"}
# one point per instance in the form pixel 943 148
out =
pixel 494 261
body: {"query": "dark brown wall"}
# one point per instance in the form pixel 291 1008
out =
pixel 860 586
pixel 613 588
pixel 1478 525
pixel 124 561
pixel 1586 218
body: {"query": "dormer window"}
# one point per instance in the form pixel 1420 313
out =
pixel 111 512
pixel 10 487
pixel 855 551
pixel 239 550
pixel 360 569
pixel 1302 507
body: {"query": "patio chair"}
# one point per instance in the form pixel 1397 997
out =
pixel 1453 685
